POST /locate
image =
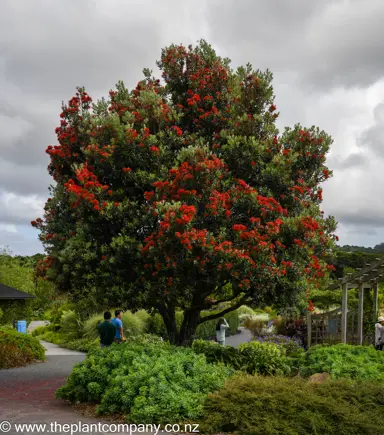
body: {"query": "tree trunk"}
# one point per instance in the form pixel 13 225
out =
pixel 188 328
pixel 169 317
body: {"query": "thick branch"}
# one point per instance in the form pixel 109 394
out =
pixel 226 300
pixel 227 310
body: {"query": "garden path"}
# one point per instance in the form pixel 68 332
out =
pixel 27 394
pixel 242 337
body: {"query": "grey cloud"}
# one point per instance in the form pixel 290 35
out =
pixel 20 210
pixel 331 43
pixel 355 160
pixel 270 34
pixel 362 231
pixel 24 179
pixel 361 217
pixel 53 50
pixel 343 44
pixel 373 137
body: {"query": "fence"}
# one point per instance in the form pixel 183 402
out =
pixel 325 328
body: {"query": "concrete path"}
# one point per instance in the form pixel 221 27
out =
pixel 27 396
pixel 243 337
pixel 54 349
pixel 36 323
pixel 27 393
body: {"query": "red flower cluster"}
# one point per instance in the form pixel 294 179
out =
pixel 89 181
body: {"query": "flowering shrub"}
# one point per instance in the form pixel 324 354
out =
pixel 149 383
pixel 181 194
pixel 292 345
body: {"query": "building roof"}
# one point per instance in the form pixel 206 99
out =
pixel 9 293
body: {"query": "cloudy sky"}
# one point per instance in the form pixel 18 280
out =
pixel 327 59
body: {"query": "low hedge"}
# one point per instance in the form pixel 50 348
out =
pixel 258 405
pixel 344 361
pixel 145 379
pixel 17 349
pixel 253 357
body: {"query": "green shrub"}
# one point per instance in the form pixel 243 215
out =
pixel 254 357
pixel 53 337
pixel 255 326
pixel 250 405
pixel 18 349
pixel 215 353
pixel 244 313
pixel 90 326
pixel 151 383
pixel 70 325
pixel 244 309
pixel 144 317
pixel 40 330
pixel 134 324
pixel 292 345
pixel 344 361
pixel 265 358
pixel 57 309
pixel 82 344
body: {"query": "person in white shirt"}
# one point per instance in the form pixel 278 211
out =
pixel 221 327
pixel 379 334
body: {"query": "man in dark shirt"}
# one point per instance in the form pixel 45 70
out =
pixel 107 330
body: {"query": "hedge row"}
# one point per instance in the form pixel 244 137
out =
pixel 256 405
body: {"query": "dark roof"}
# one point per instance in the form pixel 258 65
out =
pixel 11 293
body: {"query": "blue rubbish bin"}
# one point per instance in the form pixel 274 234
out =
pixel 22 326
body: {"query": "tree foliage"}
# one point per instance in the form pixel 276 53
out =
pixel 181 194
pixel 19 272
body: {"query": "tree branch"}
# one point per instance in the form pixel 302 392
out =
pixel 226 300
pixel 227 310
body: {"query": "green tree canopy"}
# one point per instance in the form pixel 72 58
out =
pixel 181 194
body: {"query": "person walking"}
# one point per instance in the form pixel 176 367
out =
pixel 119 337
pixel 221 327
pixel 379 334
pixel 107 330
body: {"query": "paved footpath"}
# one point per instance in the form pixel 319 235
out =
pixel 27 393
pixel 243 337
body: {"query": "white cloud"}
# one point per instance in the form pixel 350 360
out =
pixel 19 209
pixel 8 228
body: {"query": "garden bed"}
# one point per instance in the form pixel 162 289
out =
pixel 17 349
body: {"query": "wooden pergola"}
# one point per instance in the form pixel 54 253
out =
pixel 363 279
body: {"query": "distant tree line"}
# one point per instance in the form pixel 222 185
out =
pixel 378 249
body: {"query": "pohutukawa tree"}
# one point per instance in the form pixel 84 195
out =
pixel 180 194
